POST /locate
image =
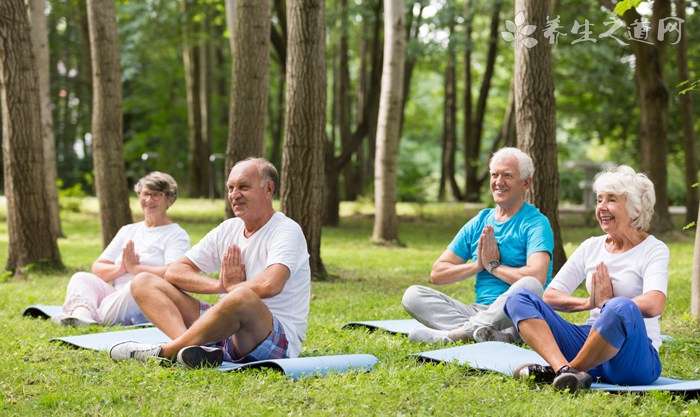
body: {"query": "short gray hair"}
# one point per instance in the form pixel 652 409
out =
pixel 158 181
pixel 636 187
pixel 525 165
pixel 266 170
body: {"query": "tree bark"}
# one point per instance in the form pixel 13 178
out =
pixel 40 45
pixel 110 179
pixel 386 228
pixel 449 122
pixel 412 28
pixel 686 110
pixel 302 158
pixel 249 82
pixel 23 153
pixel 534 117
pixel 473 145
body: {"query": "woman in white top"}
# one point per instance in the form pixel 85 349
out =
pixel 104 296
pixel 626 274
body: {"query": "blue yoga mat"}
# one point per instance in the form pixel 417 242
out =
pixel 391 326
pixel 42 311
pixel 294 368
pixel 505 358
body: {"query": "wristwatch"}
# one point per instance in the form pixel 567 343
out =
pixel 491 265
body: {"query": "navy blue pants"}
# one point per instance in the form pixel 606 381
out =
pixel 620 324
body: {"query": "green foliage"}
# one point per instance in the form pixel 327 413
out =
pixel 624 5
pixel 40 378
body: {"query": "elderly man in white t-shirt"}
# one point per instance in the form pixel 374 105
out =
pixel 264 282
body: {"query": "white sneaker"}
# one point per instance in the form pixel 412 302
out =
pixel 200 356
pixel 135 350
pixel 72 320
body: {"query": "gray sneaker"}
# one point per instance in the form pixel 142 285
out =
pixel 489 334
pixel 200 357
pixel 135 350
pixel 572 379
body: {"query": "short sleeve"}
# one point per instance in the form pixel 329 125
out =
pixel 115 247
pixel 464 242
pixel 288 247
pixel 572 273
pixel 206 254
pixel 176 246
pixel 655 273
pixel 540 237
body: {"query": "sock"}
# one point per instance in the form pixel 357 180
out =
pixel 427 335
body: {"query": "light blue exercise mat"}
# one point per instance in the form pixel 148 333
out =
pixel 391 326
pixel 505 358
pixel 294 368
pixel 42 311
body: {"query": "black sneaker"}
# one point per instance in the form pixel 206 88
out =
pixel 540 374
pixel 200 357
pixel 571 379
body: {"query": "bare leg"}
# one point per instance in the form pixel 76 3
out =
pixel 241 315
pixel 168 308
pixel 537 334
pixel 595 351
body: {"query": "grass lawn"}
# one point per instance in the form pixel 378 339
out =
pixel 38 378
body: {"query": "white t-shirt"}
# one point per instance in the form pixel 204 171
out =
pixel 155 246
pixel 279 241
pixel 637 271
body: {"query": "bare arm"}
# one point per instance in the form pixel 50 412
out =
pixel 651 303
pixel 186 276
pixel 451 268
pixel 562 301
pixel 536 266
pixel 267 283
pixel 107 270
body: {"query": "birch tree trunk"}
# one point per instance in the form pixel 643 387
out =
pixel 107 143
pixel 386 228
pixel 23 153
pixel 534 117
pixel 303 158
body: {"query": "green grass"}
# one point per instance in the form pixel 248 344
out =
pixel 38 378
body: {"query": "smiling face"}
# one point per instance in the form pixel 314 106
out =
pixel 507 188
pixel 249 194
pixel 153 202
pixel 611 213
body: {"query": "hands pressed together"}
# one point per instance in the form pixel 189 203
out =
pixel 232 269
pixel 487 250
pixel 130 260
pixel 601 287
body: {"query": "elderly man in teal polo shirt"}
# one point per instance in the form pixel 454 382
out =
pixel 507 247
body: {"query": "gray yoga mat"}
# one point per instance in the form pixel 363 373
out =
pixel 505 358
pixel 294 368
pixel 42 311
pixel 391 326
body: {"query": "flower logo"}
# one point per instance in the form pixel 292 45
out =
pixel 519 30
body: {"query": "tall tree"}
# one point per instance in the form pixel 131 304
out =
pixel 386 224
pixel 534 115
pixel 40 45
pixel 195 59
pixel 23 153
pixel 249 81
pixel 686 107
pixel 302 158
pixel 653 106
pixel 108 159
pixel 474 132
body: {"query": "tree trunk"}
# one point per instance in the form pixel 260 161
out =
pixel 40 45
pixel 471 161
pixel 110 179
pixel 386 227
pixel 249 82
pixel 450 113
pixel 476 131
pixel 302 158
pixel 686 109
pixel 343 91
pixel 534 117
pixel 23 153
pixel 412 30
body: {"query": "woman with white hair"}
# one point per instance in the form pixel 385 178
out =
pixel 104 296
pixel 626 274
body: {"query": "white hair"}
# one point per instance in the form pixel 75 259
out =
pixel 525 165
pixel 636 187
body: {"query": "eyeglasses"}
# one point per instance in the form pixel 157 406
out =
pixel 154 195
